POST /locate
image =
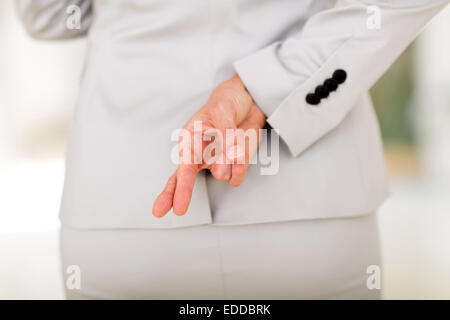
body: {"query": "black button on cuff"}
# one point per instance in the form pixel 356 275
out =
pixel 313 99
pixel 340 76
pixel 322 92
pixel 331 84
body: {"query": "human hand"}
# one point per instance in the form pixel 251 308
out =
pixel 230 109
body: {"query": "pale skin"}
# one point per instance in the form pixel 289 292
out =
pixel 230 106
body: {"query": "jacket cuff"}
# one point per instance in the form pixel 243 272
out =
pixel 265 78
pixel 298 122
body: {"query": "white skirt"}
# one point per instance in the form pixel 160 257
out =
pixel 308 259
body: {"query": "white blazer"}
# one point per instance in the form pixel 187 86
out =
pixel 152 63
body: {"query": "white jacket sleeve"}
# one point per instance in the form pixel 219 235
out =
pixel 308 83
pixel 47 19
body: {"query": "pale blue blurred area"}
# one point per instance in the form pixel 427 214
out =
pixel 38 89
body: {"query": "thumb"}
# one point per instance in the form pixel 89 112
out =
pixel 247 142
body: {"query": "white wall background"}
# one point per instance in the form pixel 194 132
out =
pixel 38 89
pixel 415 221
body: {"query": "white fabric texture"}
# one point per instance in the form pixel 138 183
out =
pixel 152 63
pixel 310 259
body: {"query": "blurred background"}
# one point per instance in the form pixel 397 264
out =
pixel 38 89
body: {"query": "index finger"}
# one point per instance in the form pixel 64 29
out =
pixel 186 175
